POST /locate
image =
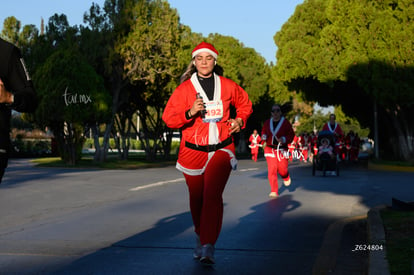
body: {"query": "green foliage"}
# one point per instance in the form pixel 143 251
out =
pixel 188 41
pixel 297 41
pixel 69 90
pixel 149 48
pixel 71 95
pixel 324 39
pixel 317 120
pixel 150 65
pixel 357 54
pixel 11 29
pixel 133 51
pixel 134 144
pixel 243 65
pixel 25 147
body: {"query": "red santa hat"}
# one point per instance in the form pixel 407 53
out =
pixel 205 47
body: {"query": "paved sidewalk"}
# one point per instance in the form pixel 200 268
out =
pixel 338 255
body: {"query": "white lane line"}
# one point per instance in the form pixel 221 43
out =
pixel 248 169
pixel 160 183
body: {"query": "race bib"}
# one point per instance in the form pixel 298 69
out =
pixel 214 111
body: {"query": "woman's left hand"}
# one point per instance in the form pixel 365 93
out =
pixel 235 125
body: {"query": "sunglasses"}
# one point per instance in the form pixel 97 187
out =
pixel 276 111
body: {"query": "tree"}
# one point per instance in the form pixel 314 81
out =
pixel 318 119
pixel 11 30
pixel 105 27
pixel 28 37
pixel 151 65
pixel 243 65
pixel 351 53
pixel 106 42
pixel 71 95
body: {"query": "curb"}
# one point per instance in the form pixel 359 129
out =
pixel 384 167
pixel 328 254
pixel 378 263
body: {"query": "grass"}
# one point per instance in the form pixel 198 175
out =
pixel 398 226
pixel 135 161
pixel 394 162
pixel 399 239
pixel 401 166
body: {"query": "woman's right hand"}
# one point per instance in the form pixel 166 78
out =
pixel 5 96
pixel 198 106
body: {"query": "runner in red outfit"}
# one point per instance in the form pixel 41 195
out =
pixel 277 132
pixel 254 140
pixel 333 127
pixel 200 107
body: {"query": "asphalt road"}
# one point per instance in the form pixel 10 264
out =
pixel 83 221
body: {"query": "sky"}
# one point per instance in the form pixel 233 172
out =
pixel 254 25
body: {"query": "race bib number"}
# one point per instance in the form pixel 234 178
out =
pixel 214 111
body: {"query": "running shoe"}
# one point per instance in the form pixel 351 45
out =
pixel 273 194
pixel 198 249
pixel 207 255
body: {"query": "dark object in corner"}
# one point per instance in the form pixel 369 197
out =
pixel 402 205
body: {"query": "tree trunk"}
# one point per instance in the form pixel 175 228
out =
pixel 115 102
pixel 97 145
pixel 397 132
pixel 105 143
pixel 403 146
pixel 71 141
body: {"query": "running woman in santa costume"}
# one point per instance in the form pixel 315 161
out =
pixel 277 133
pixel 255 140
pixel 200 107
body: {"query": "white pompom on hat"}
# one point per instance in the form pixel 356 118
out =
pixel 204 47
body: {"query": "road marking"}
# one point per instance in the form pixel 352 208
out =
pixel 160 183
pixel 248 169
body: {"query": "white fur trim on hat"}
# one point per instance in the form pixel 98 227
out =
pixel 204 50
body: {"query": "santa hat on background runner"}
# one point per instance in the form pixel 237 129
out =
pixel 205 47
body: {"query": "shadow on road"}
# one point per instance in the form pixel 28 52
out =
pixel 272 233
pixel 167 247
pixel 27 171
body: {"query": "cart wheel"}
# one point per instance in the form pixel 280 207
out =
pixel 324 168
pixel 313 168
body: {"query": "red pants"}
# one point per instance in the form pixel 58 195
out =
pixel 255 153
pixel 206 197
pixel 276 166
pixel 353 154
pixel 304 154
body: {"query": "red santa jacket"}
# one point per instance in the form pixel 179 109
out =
pixel 254 141
pixel 336 129
pixel 198 132
pixel 304 141
pixel 283 131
